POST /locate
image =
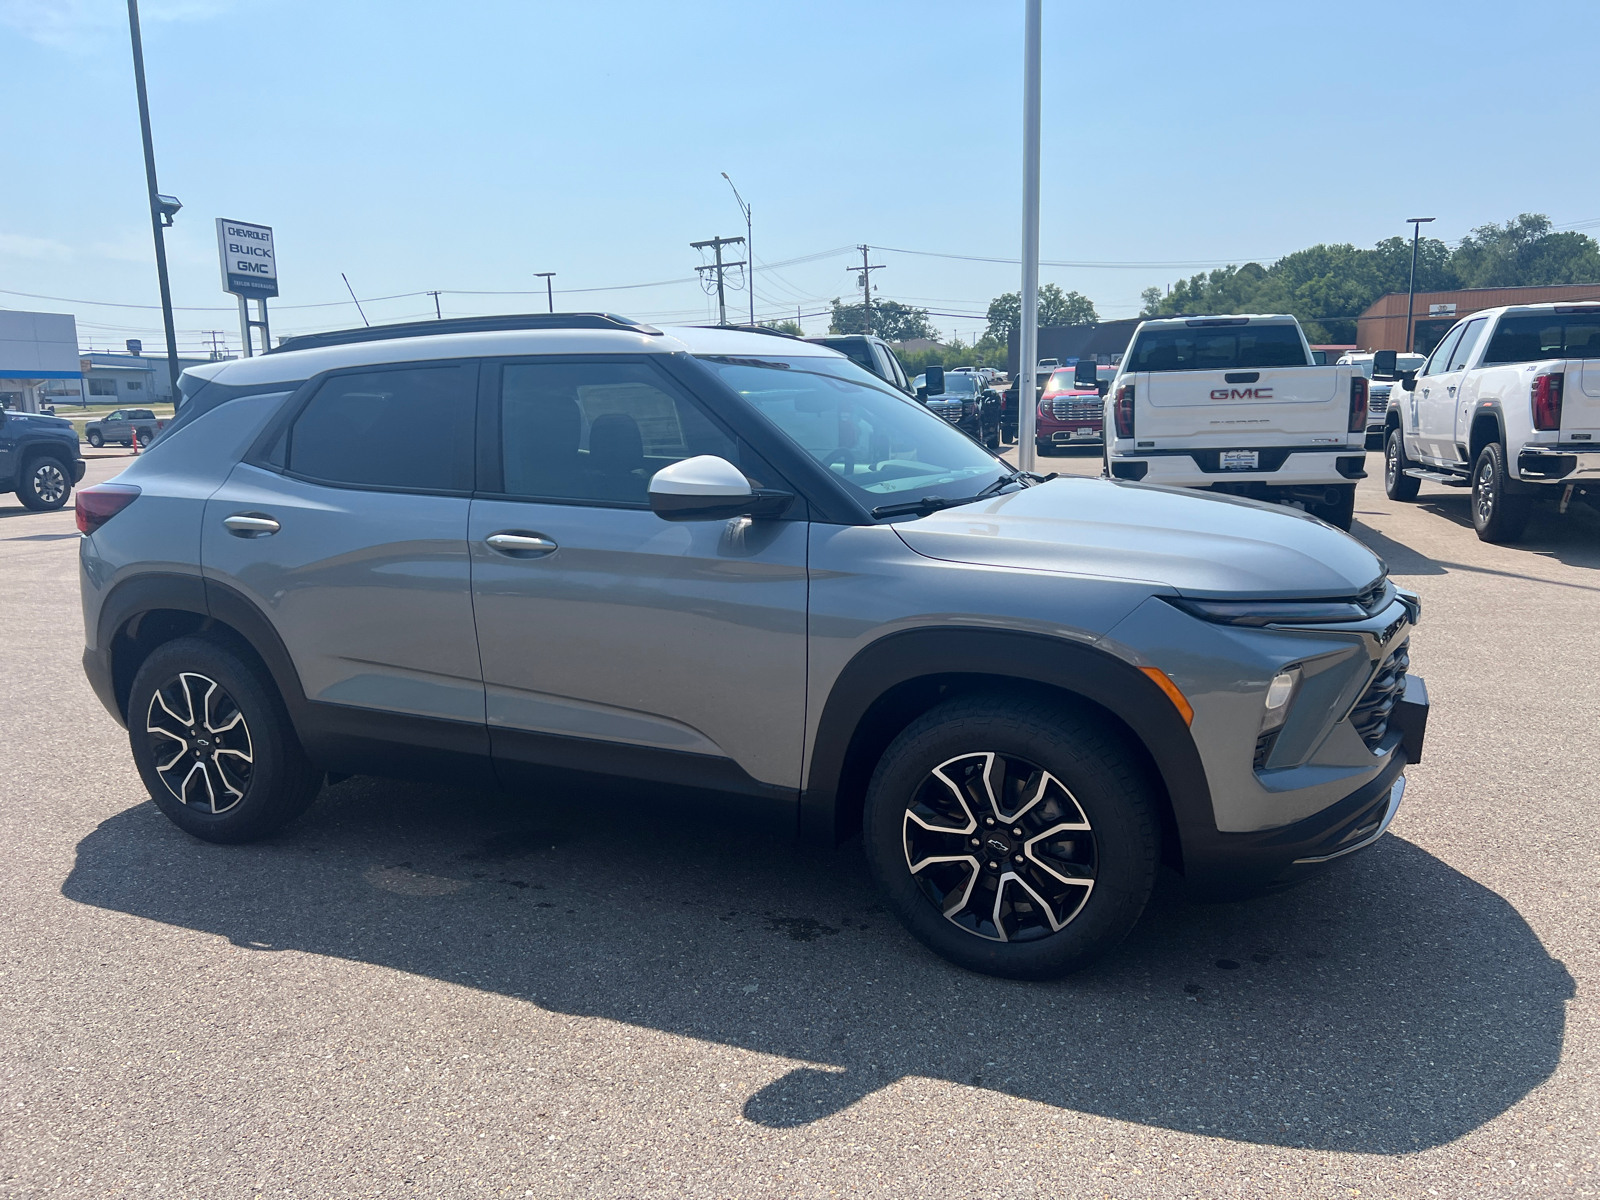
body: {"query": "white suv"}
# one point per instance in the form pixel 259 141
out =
pixel 1509 405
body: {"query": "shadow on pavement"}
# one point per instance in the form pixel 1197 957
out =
pixel 1390 1005
pixel 1572 537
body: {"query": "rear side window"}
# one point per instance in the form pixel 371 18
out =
pixel 1223 348
pixel 1545 335
pixel 409 429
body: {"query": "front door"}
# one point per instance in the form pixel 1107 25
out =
pixel 612 640
pixel 350 535
pixel 1434 398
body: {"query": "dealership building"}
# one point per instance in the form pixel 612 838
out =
pixel 38 359
pixel 1383 325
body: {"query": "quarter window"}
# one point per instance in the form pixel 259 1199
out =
pixel 409 429
pixel 596 432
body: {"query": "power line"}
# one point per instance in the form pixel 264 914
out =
pixel 1117 266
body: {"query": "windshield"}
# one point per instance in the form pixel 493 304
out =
pixel 1217 348
pixel 954 385
pixel 879 442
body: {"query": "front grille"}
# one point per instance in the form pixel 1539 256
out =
pixel 1077 410
pixel 950 410
pixel 1377 406
pixel 1372 711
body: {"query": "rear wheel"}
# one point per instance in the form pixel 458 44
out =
pixel 1397 485
pixel 1497 515
pixel 1341 514
pixel 1012 837
pixel 45 484
pixel 213 743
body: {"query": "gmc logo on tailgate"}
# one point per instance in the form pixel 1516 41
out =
pixel 1241 393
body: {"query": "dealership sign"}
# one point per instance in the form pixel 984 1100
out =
pixel 249 264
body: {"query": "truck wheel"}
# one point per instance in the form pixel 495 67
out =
pixel 1397 485
pixel 213 743
pixel 1044 449
pixel 1013 837
pixel 1008 434
pixel 1496 515
pixel 1342 513
pixel 145 435
pixel 95 439
pixel 45 484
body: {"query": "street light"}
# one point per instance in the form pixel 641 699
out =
pixel 1028 335
pixel 1416 224
pixel 749 254
pixel 549 293
pixel 162 208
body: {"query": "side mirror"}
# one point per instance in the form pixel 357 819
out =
pixel 933 381
pixel 708 488
pixel 1383 364
pixel 1085 373
pixel 1408 380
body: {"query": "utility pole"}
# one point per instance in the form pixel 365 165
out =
pixel 1416 224
pixel 216 351
pixel 437 315
pixel 161 208
pixel 866 270
pixel 1028 335
pixel 716 244
pixel 749 249
pixel 549 288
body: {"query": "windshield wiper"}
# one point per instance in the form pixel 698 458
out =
pixel 932 504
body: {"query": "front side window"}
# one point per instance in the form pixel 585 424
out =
pixel 879 442
pixel 596 431
pixel 1217 348
pixel 1467 344
pixel 1539 336
pixel 409 429
pixel 1442 352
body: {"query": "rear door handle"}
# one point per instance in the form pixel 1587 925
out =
pixel 521 545
pixel 251 525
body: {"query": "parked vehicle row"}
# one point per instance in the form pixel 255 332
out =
pixel 964 401
pixel 757 571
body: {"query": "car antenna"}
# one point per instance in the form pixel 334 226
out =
pixel 352 292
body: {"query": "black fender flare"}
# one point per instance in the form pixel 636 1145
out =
pixel 836 781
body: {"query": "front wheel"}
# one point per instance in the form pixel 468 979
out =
pixel 1397 485
pixel 1497 515
pixel 213 743
pixel 45 485
pixel 95 439
pixel 1012 837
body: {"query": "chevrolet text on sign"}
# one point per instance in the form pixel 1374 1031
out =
pixel 249 265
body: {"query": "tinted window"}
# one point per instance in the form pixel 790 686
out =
pixel 596 431
pixel 1467 344
pixel 1545 335
pixel 1217 348
pixel 880 442
pixel 1442 352
pixel 409 428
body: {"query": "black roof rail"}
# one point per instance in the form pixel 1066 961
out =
pixel 755 329
pixel 409 329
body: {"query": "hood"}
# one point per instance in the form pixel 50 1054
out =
pixel 1200 544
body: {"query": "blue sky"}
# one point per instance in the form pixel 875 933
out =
pixel 466 146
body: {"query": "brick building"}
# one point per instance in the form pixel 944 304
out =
pixel 1383 325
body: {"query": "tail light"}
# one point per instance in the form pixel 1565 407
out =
pixel 98 504
pixel 1547 391
pixel 1122 410
pixel 1358 403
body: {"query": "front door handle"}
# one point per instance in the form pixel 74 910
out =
pixel 521 545
pixel 1424 393
pixel 1452 391
pixel 251 525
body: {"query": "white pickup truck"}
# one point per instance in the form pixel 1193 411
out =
pixel 1234 404
pixel 1507 404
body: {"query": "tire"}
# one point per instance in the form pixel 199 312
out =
pixel 241 773
pixel 1342 514
pixel 1007 434
pixel 145 436
pixel 45 484
pixel 1496 515
pixel 1044 449
pixel 1397 485
pixel 1094 778
pixel 95 439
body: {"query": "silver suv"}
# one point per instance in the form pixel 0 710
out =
pixel 555 552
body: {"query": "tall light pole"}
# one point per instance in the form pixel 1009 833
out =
pixel 549 288
pixel 1028 335
pixel 1416 224
pixel 161 207
pixel 749 251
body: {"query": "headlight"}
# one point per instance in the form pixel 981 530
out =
pixel 1280 612
pixel 1279 693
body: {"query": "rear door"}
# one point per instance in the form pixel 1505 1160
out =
pixel 612 639
pixel 349 533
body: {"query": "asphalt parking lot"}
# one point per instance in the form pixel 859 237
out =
pixel 433 992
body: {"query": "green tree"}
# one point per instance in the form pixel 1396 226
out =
pixel 1525 253
pixel 1055 308
pixel 784 327
pixel 1152 301
pixel 891 321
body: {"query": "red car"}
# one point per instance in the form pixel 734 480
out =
pixel 1068 414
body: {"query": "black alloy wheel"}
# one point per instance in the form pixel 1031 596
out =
pixel 45 485
pixel 1497 515
pixel 213 742
pixel 1013 836
pixel 1397 485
